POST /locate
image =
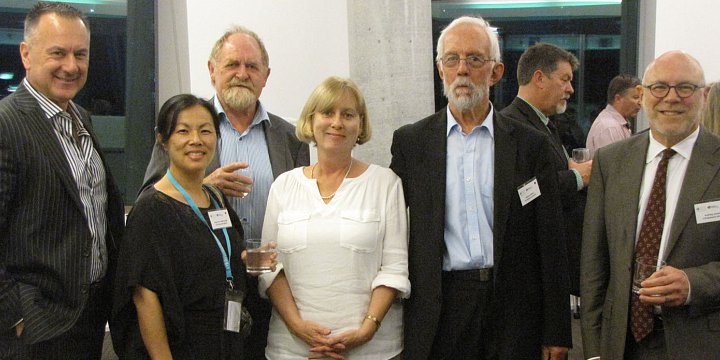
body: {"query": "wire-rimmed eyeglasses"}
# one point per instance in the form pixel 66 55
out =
pixel 683 90
pixel 453 60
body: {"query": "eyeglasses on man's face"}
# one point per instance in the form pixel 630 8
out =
pixel 474 61
pixel 683 90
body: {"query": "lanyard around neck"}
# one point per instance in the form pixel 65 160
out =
pixel 225 255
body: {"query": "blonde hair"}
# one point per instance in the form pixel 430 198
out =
pixel 324 98
pixel 711 112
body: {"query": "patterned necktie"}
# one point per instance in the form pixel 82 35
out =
pixel 648 245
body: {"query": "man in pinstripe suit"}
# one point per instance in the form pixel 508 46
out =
pixel 60 211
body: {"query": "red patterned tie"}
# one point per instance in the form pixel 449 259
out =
pixel 648 245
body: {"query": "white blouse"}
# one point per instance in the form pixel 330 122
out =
pixel 335 254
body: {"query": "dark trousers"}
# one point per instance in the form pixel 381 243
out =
pixel 260 310
pixel 82 341
pixel 465 330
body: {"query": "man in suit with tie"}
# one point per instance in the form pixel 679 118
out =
pixel 250 136
pixel 61 215
pixel 544 75
pixel 486 259
pixel 656 195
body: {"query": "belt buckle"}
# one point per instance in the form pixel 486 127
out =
pixel 484 274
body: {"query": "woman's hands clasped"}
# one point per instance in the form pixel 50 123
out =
pixel 323 345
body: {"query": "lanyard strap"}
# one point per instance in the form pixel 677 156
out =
pixel 225 255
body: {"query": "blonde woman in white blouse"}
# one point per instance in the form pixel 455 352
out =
pixel 341 233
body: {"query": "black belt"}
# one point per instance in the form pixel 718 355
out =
pixel 482 275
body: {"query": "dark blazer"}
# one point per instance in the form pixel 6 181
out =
pixel 44 237
pixel 285 150
pixel 530 281
pixel 691 331
pixel 573 201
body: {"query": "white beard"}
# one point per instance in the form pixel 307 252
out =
pixel 560 108
pixel 464 101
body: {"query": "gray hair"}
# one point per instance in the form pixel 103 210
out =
pixel 61 9
pixel 476 21
pixel 237 29
pixel 543 57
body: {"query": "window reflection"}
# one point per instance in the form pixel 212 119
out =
pixel 104 92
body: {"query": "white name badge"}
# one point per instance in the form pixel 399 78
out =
pixel 529 191
pixel 219 219
pixel 233 311
pixel 707 212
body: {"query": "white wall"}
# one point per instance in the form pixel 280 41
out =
pixel 388 53
pixel 692 26
pixel 307 41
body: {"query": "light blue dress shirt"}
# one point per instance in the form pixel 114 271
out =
pixel 250 147
pixel 469 196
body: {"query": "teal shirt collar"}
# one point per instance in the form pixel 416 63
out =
pixel 539 113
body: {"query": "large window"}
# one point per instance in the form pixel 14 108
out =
pixel 592 30
pixel 105 94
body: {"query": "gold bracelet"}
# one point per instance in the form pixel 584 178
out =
pixel 374 319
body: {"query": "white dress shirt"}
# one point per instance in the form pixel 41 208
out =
pixel 675 174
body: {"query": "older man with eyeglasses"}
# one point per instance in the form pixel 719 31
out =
pixel 655 195
pixel 486 255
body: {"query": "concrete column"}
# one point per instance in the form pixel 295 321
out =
pixel 391 59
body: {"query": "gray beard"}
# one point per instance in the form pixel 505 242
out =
pixel 464 102
pixel 559 109
pixel 238 98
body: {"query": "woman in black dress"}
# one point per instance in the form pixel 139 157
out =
pixel 180 262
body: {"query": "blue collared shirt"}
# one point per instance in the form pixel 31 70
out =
pixel 469 196
pixel 250 147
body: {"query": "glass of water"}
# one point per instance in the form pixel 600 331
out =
pixel 247 172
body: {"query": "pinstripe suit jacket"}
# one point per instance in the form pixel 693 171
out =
pixel 44 238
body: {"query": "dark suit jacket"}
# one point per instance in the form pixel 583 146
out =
pixel 44 237
pixel 573 201
pixel 691 331
pixel 286 153
pixel 530 281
